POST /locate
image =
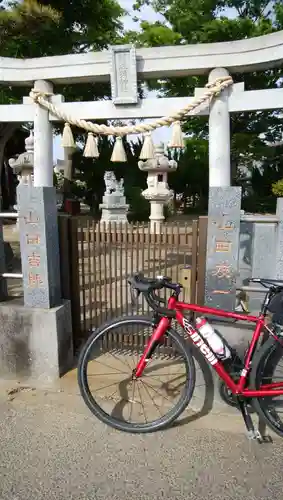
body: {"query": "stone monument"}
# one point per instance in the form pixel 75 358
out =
pixel 223 236
pixel 114 207
pixel 39 246
pixel 157 192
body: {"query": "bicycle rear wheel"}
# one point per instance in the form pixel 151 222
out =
pixel 268 368
pixel 107 385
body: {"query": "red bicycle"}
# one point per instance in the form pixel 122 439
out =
pixel 134 369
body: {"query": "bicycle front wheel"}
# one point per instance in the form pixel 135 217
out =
pixel 267 369
pixel 107 385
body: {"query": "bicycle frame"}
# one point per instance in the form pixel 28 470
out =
pixel 239 388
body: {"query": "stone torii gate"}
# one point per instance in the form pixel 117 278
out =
pixel 120 66
pixel 49 341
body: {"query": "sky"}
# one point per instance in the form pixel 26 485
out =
pixel 147 14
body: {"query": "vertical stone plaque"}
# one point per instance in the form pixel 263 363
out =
pixel 124 87
pixel 39 246
pixel 223 235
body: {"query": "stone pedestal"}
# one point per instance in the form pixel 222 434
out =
pixel 156 212
pixel 39 246
pixel 36 345
pixel 223 236
pixel 114 209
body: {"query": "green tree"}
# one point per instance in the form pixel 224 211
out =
pixel 51 27
pixel 205 21
pixel 32 28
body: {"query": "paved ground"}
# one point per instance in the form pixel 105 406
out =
pixel 52 448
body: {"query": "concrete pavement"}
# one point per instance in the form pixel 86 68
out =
pixel 53 448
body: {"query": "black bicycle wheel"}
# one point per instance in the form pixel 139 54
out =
pixel 110 356
pixel 268 368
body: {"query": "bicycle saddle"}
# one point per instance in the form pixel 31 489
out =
pixel 267 282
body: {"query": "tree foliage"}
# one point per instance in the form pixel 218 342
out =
pixel 52 27
pixel 206 21
pixel 31 28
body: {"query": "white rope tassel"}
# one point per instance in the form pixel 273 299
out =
pixel 67 138
pixel 177 140
pixel 91 148
pixel 119 153
pixel 148 149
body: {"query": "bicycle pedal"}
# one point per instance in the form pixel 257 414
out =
pixel 267 439
pixel 255 435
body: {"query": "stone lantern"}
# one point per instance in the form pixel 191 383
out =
pixel 22 165
pixel 157 192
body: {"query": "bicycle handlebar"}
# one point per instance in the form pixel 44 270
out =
pixel 148 286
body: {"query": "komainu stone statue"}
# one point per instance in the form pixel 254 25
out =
pixel 114 206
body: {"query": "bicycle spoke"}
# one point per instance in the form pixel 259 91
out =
pixel 109 366
pixel 115 357
pixel 146 389
pixel 159 394
pixel 106 386
pixel 105 374
pixel 133 398
pixel 142 404
pixel 157 376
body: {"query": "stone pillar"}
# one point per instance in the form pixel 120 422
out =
pixel 43 141
pixel 223 237
pixel 156 215
pixel 219 136
pixel 39 246
pixel 36 341
pixel 279 241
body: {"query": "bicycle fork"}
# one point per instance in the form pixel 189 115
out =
pixel 252 433
pixel 160 330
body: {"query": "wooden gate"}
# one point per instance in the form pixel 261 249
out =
pixel 96 261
